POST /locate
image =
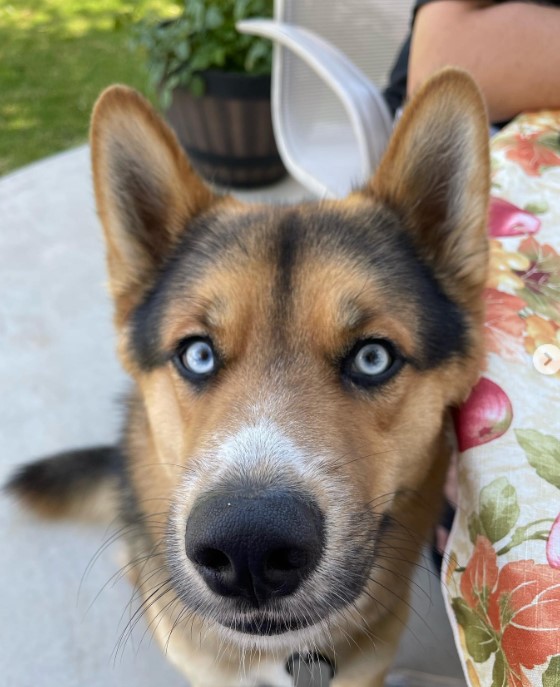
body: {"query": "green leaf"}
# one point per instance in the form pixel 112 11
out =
pixel 543 453
pixel 259 56
pixel 551 140
pixel 197 86
pixel 499 509
pixel 475 527
pixel 214 18
pixel 183 50
pixel 499 675
pixel 165 98
pixel 172 83
pixel 195 11
pixel 551 676
pixel 537 207
pixel 240 9
pixel 203 36
pixel 157 74
pixel 481 641
pixel 122 20
pixel 524 533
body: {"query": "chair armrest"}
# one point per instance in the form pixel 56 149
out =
pixel 362 100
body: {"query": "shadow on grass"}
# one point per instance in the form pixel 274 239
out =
pixel 55 58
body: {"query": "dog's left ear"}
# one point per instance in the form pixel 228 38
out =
pixel 145 189
pixel 435 175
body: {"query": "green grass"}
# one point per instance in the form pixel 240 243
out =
pixel 55 58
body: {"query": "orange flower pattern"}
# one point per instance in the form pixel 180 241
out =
pixel 504 326
pixel 512 613
pixel 534 151
pixel 539 332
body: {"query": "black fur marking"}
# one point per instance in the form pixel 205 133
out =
pixel 286 254
pixel 373 241
pixel 65 475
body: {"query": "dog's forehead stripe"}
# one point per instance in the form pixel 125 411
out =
pixel 289 237
pixel 289 241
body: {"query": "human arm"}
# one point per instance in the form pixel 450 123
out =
pixel 511 49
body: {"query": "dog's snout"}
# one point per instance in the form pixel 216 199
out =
pixel 254 547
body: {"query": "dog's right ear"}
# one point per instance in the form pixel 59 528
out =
pixel 146 190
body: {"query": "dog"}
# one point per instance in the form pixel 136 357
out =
pixel 288 433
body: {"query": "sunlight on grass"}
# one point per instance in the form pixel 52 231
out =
pixel 55 58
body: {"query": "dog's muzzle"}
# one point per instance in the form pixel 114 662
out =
pixel 254 548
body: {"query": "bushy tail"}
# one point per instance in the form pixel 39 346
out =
pixel 82 482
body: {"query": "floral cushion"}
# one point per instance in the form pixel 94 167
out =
pixel 501 576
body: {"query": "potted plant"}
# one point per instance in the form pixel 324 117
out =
pixel 214 86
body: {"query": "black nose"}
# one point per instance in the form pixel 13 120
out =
pixel 254 547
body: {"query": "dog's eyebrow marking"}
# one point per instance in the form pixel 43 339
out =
pixel 206 240
pixel 373 240
pixel 353 316
pixel 211 316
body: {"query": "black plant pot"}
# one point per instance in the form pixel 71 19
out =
pixel 227 132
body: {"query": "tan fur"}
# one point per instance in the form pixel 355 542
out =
pixel 388 449
pixel 99 505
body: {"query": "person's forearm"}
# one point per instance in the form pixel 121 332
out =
pixel 511 49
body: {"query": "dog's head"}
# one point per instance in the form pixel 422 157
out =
pixel 294 364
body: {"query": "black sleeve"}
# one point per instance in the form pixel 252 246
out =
pixel 395 92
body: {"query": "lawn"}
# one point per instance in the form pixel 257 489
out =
pixel 55 58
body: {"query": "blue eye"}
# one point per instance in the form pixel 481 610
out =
pixel 373 359
pixel 197 359
pixel 371 363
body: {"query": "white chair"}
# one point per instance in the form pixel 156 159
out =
pixel 330 61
